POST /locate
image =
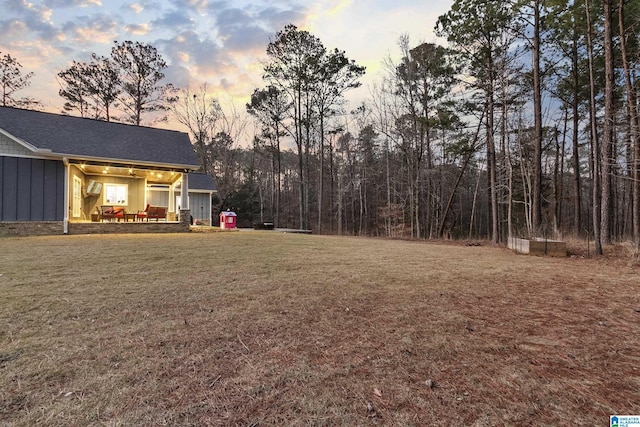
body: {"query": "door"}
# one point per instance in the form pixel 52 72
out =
pixel 77 197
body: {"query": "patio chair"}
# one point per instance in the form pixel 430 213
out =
pixel 111 212
pixel 142 215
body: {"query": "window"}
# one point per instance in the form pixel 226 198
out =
pixel 116 194
pixel 77 196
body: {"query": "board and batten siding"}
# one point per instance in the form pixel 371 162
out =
pixel 200 205
pixel 31 189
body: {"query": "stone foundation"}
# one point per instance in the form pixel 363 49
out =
pixel 43 228
pixel 31 228
pixel 185 217
pixel 127 227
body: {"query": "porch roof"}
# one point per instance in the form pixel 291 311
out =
pixel 201 181
pixel 56 135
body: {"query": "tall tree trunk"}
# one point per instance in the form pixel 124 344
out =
pixel 537 106
pixel 491 156
pixel 307 161
pixel 279 174
pixel 332 187
pixel 272 182
pixel 474 204
pixel 509 162
pixel 340 202
pixel 563 152
pixel 577 185
pixel 416 186
pixel 388 189
pixel 557 197
pixel 321 173
pixel 299 145
pixel 595 147
pixel 412 201
pixel 634 127
pixel 607 132
pixel 526 183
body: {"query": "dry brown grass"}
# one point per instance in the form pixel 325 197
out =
pixel 264 328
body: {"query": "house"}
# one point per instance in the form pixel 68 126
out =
pixel 57 172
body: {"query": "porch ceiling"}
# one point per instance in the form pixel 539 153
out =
pixel 151 175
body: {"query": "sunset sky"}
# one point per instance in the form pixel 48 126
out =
pixel 222 43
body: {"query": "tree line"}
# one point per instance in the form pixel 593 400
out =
pixel 524 124
pixel 128 80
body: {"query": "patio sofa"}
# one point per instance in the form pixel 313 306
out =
pixel 153 212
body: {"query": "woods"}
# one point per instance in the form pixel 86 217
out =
pixel 522 121
pixel 525 124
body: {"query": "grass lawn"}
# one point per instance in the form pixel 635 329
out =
pixel 273 329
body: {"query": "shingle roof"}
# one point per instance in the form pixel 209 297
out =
pixel 201 181
pixel 87 138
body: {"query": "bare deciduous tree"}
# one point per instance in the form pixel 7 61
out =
pixel 12 80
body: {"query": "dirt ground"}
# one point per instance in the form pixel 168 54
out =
pixel 266 329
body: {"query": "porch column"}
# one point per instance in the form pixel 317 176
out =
pixel 65 223
pixel 184 192
pixel 172 198
pixel 185 212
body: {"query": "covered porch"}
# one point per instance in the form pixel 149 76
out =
pixel 101 195
pixel 104 198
